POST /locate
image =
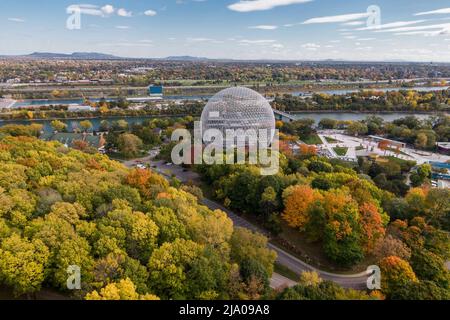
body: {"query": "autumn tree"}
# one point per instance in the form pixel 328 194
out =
pixel 58 125
pixel 395 273
pixel 129 144
pixel 296 201
pixel 122 290
pixel 22 263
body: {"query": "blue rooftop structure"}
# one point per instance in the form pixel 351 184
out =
pixel 440 165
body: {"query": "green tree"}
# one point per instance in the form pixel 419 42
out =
pixel 58 125
pixel 129 145
pixel 22 263
pixel 86 125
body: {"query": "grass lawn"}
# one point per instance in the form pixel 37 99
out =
pixel 340 151
pixel 286 272
pixel 311 139
pixel 332 140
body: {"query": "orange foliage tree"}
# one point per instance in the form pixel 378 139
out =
pixel 297 200
pixel 372 226
pixel 395 273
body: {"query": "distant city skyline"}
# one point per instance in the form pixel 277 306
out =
pixel 359 30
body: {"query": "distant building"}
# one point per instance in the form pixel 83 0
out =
pixel 155 90
pixel 68 139
pixel 388 142
pixel 6 103
pixel 80 108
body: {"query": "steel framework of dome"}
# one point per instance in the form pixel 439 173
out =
pixel 238 108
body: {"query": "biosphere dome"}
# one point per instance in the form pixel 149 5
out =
pixel 238 108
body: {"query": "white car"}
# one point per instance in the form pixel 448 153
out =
pixel 141 166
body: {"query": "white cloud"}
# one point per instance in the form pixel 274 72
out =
pixel 439 11
pixel 392 25
pixel 123 27
pixel 16 19
pixel 418 28
pixel 339 18
pixel 311 46
pixel 108 9
pixel 199 39
pixel 260 5
pixel 264 27
pixel 354 23
pixel 124 13
pixel 366 39
pixel 245 41
pixel 150 13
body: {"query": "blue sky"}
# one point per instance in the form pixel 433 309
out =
pixel 239 29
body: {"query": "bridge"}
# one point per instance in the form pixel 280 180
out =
pixel 283 116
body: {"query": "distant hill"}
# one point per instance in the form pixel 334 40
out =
pixel 75 55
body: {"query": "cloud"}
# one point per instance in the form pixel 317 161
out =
pixel 199 39
pixel 124 13
pixel 391 25
pixel 339 18
pixel 311 46
pixel 264 27
pixel 16 20
pixel 123 27
pixel 354 23
pixel 443 26
pixel 150 13
pixel 108 9
pixel 260 5
pixel 246 41
pixel 439 11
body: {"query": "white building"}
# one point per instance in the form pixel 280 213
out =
pixel 80 108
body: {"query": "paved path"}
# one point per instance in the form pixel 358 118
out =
pixel 356 281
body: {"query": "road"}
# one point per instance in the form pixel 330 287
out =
pixel 355 281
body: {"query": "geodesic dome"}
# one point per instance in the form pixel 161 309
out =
pixel 238 108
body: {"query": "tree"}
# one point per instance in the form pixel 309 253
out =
pixel 58 125
pixel 310 278
pixel 122 290
pixel 248 245
pixel 86 125
pixel 391 246
pixel 268 202
pixel 372 226
pixel 342 234
pixel 395 273
pixel 437 203
pixel 429 266
pixel 168 266
pixel 356 128
pixel 296 201
pixel 423 290
pixel 129 145
pixel 22 263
